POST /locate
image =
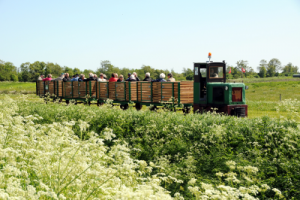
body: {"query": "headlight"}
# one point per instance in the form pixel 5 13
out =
pixel 226 87
pixel 246 87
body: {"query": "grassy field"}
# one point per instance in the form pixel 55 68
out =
pixel 7 87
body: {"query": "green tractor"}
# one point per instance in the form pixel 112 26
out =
pixel 211 90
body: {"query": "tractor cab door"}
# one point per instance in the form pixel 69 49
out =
pixel 200 73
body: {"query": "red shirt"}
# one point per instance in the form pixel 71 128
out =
pixel 113 79
pixel 47 79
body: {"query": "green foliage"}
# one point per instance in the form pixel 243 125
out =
pixel 193 146
pixel 8 72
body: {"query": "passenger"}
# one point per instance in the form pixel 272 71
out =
pixel 116 75
pixel 66 78
pixel 136 77
pixel 91 77
pixel 129 74
pixel 121 78
pixel 101 78
pixel 105 77
pixel 81 78
pixel 113 79
pixel 41 77
pixel 147 77
pixel 161 78
pixel 131 78
pixel 62 76
pixel 49 78
pixel 75 77
pixel 95 77
pixel 170 78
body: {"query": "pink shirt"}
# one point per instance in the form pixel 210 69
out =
pixel 47 79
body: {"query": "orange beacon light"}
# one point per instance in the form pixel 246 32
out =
pixel 209 55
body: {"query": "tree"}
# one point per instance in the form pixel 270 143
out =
pixel 262 72
pixel 76 71
pixel 188 73
pixel 289 68
pixel 36 69
pixel 274 66
pixel 7 69
pixel 25 75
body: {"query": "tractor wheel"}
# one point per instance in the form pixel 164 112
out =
pixel 138 106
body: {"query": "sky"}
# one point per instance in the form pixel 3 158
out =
pixel 165 34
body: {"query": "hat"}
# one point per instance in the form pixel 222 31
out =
pixel 101 74
pixel 170 74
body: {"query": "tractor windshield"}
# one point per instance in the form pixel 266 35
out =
pixel 216 72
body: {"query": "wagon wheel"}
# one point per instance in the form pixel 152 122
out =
pixel 138 106
pixel 153 108
pixel 99 103
pixel 186 110
pixel 124 106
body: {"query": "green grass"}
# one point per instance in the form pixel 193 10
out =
pixel 7 87
pixel 268 79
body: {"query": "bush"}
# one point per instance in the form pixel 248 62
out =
pixel 193 146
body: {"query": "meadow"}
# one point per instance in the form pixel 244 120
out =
pixel 54 151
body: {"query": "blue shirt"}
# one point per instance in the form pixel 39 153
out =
pixel 75 79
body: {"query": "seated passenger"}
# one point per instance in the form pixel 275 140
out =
pixel 147 77
pixel 136 77
pixel 81 78
pixel 104 76
pixel 101 78
pixel 62 76
pixel 121 78
pixel 161 78
pixel 131 78
pixel 91 77
pixel 113 79
pixel 170 78
pixel 95 77
pixel 66 78
pixel 75 77
pixel 41 77
pixel 116 76
pixel 128 75
pixel 49 78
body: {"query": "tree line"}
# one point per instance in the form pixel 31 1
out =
pixel 29 72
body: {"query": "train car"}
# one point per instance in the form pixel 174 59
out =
pixel 208 91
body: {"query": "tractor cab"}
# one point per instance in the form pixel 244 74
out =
pixel 212 91
pixel 205 73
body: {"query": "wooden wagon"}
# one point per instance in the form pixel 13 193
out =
pixel 140 93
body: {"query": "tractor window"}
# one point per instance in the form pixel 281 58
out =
pixel 216 72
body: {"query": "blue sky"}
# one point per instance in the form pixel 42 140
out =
pixel 162 34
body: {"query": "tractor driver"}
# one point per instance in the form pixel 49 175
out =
pixel 213 74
